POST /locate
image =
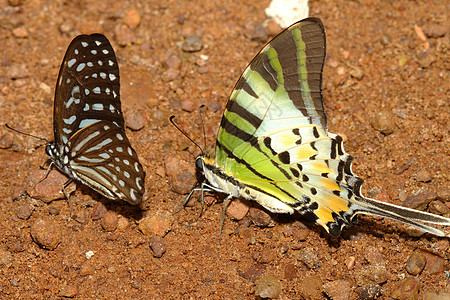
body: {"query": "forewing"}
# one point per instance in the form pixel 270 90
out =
pixel 102 157
pixel 87 90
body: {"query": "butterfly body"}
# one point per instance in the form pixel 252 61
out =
pixel 90 141
pixel 274 147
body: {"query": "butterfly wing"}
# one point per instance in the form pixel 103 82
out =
pixel 87 90
pixel 274 142
pixel 90 141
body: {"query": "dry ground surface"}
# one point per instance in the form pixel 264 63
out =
pixel 386 91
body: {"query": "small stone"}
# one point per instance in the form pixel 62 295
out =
pixel 238 209
pixel 203 70
pixel 419 201
pixel 357 73
pixel 173 60
pixel 17 71
pixel 87 268
pixel 384 122
pixel 435 264
pixel 436 30
pixel 437 207
pixel 256 32
pixel 423 175
pixel 214 106
pixel 309 257
pixel 69 291
pixel 170 75
pixel 290 271
pixel 192 43
pixel 111 269
pixel 374 255
pixel 253 272
pixel 24 211
pixel 310 287
pixel 350 262
pixel 425 58
pixel 6 259
pixel 99 211
pixel 136 120
pixel 407 288
pixel 46 233
pixel 158 224
pixel 337 290
pixel 443 193
pixel 181 175
pixel 122 223
pixel 268 286
pixel 66 27
pixel 369 291
pixel 260 218
pixel 124 35
pixel 132 19
pixel 6 140
pixel 402 61
pixel 267 255
pixel 82 217
pixel 187 105
pixel 374 273
pixel 109 221
pixel 436 296
pixel 415 263
pixel 50 188
pixel 20 32
pixel 157 246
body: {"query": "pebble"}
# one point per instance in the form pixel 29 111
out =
pixel 20 32
pixel 6 140
pixel 6 259
pixel 136 119
pixel 181 175
pixel 192 43
pixel 383 122
pixel 290 271
pixel 420 200
pixel 435 264
pixel 260 218
pixel 298 234
pixel 99 211
pixel 122 224
pixel 202 70
pixel 46 233
pixel 124 35
pixel 374 273
pixel 214 106
pixel 443 193
pixel 309 257
pixel 87 268
pixel 357 73
pixel 423 176
pixel 109 221
pixel 253 272
pixel 132 19
pixel 66 27
pixel 50 188
pixel 425 58
pixel 407 288
pixel 436 296
pixel 415 263
pixel 437 207
pixel 374 255
pixel 350 262
pixel 310 287
pixel 436 30
pixel 268 286
pixel 24 211
pixel 265 256
pixel 69 291
pixel 173 60
pixel 170 75
pixel 17 71
pixel 187 105
pixel 256 32
pixel 238 209
pixel 157 246
pixel 369 291
pixel 158 224
pixel 337 290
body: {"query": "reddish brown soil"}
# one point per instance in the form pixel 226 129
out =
pixel 405 78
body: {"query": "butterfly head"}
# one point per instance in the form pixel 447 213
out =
pixel 51 149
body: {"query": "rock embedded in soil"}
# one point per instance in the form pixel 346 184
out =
pixel 6 259
pixel 437 207
pixel 369 291
pixel 407 288
pixel 383 122
pixel 69 291
pixel 435 264
pixel 419 201
pixel 423 175
pixel 158 224
pixel 337 290
pixel 109 221
pixel 436 296
pixel 99 211
pixel 50 188
pixel 157 246
pixel 268 286
pixel 192 43
pixel 6 140
pixel 181 174
pixel 46 233
pixel 260 218
pixel 237 209
pixel 309 257
pixel 24 211
pixel 132 18
pixel 136 119
pixel 415 263
pixel 253 272
pixel 310 287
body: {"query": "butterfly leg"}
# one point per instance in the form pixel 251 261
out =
pixel 225 204
pixel 63 188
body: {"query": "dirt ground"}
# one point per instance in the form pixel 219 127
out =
pixel 386 91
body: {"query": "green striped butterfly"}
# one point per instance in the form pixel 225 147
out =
pixel 273 145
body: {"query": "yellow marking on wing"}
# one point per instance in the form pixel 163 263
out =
pixel 320 167
pixel 302 153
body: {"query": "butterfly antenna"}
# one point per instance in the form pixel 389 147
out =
pixel 179 129
pixel 203 124
pixel 25 133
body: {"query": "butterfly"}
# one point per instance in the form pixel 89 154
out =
pixel 90 143
pixel 273 144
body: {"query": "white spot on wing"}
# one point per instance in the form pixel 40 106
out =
pixel 71 62
pixel 96 90
pixel 100 63
pixel 108 91
pixel 112 77
pixel 86 107
pixel 122 184
pixel 70 120
pixel 87 122
pixel 84 44
pixel 104 155
pixel 87 139
pixel 119 149
pixel 100 145
pixel 119 136
pixel 86 92
pixel 94 52
pixel 98 43
pixel 103 75
pixel 97 106
pixel 81 67
pixel 136 167
pixel 66 130
pixel 90 64
pixel 105 51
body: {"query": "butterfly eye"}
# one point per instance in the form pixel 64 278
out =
pixel 49 149
pixel 199 163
